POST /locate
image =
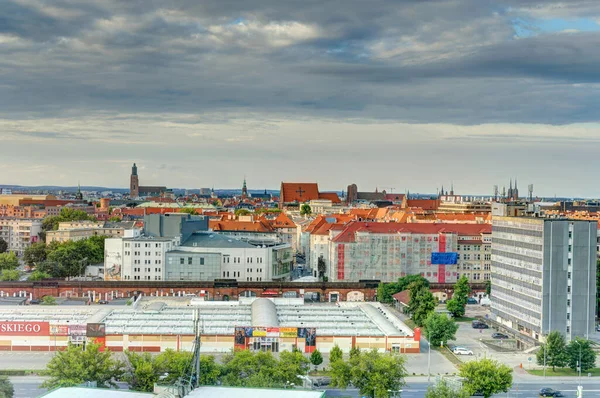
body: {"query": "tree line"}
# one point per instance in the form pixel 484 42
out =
pixel 558 354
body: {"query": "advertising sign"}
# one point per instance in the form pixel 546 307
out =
pixel 310 338
pixel 272 332
pixel 16 328
pixel 77 330
pixel 444 258
pixel 96 330
pixel 288 332
pixel 259 331
pixel 59 330
pixel 240 336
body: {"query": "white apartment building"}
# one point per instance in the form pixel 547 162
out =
pixel 139 258
pixel 19 233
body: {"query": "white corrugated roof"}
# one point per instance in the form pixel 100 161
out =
pixel 231 392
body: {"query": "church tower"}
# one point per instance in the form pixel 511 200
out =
pixel 134 184
pixel 244 190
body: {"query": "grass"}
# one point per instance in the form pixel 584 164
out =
pixel 464 319
pixel 19 372
pixel 319 373
pixel 563 372
pixel 410 323
pixel 445 351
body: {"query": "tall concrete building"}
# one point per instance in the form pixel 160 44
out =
pixel 543 275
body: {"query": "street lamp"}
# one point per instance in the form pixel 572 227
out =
pixel 579 362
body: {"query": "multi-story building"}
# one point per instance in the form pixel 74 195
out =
pixel 139 258
pixel 543 275
pixel 19 233
pixel 239 260
pixel 388 251
pixel 79 230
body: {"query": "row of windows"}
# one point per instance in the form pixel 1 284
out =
pixel 238 260
pixel 189 260
pixel 235 274
pixel 146 278
pixel 147 270
pixel 147 245
pixel 249 279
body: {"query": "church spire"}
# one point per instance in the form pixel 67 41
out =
pixel 244 189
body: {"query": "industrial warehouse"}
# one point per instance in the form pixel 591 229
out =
pixel 154 324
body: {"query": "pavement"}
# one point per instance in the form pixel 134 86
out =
pixel 27 386
pixel 417 389
pixel 24 360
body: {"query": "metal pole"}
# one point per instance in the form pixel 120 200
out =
pixel 429 362
pixel 545 360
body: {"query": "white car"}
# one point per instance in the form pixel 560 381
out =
pixel 462 351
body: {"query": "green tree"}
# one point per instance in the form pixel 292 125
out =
pixel 48 300
pixel 70 258
pixel 35 253
pixel 242 212
pixel 581 348
pixel 189 210
pixel 316 358
pixel 290 366
pixel 554 350
pixel 485 376
pixel 145 369
pixel 376 375
pixel 38 276
pixel 8 261
pixel 440 329
pixel 75 366
pixel 6 388
pixel 115 219
pixel 444 390
pixel 335 354
pixel 305 210
pixel 10 275
pixel 3 246
pixel 462 290
pixel 421 303
pixel 248 369
pixel 488 287
pixel 385 291
pixel 354 352
pixel 210 370
pixel 143 373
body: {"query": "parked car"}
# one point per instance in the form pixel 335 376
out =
pixel 34 301
pixel 598 328
pixel 462 351
pixel 479 325
pixel 499 336
pixel 549 392
pixel 472 300
pixel 102 302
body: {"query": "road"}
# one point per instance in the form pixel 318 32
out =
pixel 521 390
pixel 27 386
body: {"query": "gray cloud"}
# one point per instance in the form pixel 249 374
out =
pixel 232 75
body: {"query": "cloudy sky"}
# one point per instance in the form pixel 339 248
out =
pixel 404 94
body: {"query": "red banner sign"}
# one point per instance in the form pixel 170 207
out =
pixel 59 330
pixel 15 328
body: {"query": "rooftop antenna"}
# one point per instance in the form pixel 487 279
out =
pixel 530 190
pixel 495 192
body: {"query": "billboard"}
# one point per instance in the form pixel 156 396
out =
pixel 96 330
pixel 444 258
pixel 59 330
pixel 77 330
pixel 288 332
pixel 18 328
pixel 272 332
pixel 259 331
pixel 310 338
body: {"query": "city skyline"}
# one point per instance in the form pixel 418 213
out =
pixel 411 95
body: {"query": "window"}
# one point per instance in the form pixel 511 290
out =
pixel 569 261
pixel 201 260
pixel 189 261
pixel 223 274
pixel 568 329
pixel 568 289
pixel 228 274
pixel 568 275
pixel 570 234
pixel 181 260
pixel 568 316
pixel 568 302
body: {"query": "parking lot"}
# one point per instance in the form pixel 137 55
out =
pixel 472 339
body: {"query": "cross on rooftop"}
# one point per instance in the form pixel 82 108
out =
pixel 300 191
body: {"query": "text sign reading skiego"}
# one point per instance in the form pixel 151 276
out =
pixel 24 328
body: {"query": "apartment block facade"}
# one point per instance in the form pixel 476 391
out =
pixel 543 275
pixel 20 233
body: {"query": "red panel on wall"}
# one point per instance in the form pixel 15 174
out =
pixel 442 245
pixel 14 328
pixel 340 274
pixel 441 273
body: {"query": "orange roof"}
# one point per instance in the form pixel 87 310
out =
pixel 245 226
pixel 298 192
pixel 330 196
pixel 283 221
pixel 425 204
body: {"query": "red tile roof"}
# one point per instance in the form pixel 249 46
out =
pixel 330 196
pixel 402 297
pixel 425 204
pixel 283 221
pixel 349 233
pixel 243 226
pixel 298 192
